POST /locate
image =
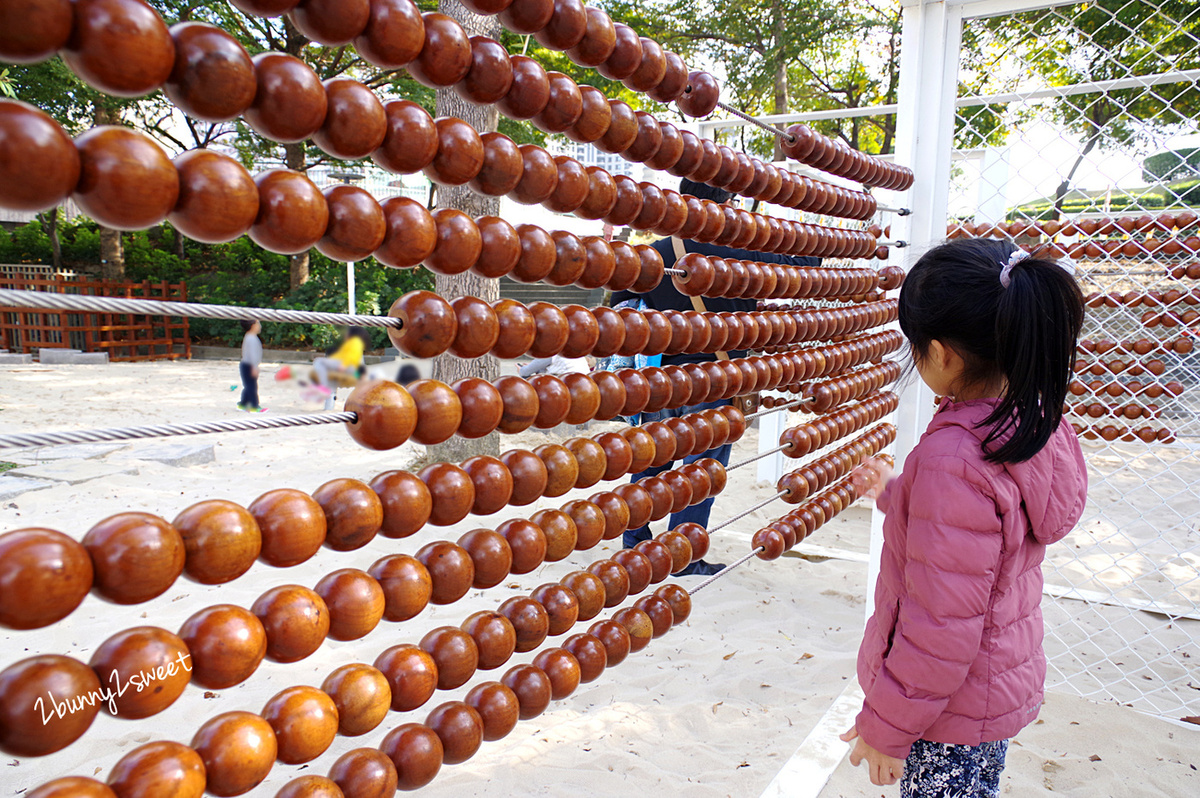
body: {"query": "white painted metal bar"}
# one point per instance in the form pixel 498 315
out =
pixel 807 772
pixel 770 468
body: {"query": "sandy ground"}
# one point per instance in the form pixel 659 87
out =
pixel 715 708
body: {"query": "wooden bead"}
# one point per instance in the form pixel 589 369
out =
pixel 46 574
pixel 406 503
pixel 34 30
pixel 39 165
pixel 292 525
pixel 517 329
pixel 160 768
pixel 552 330
pixel 561 468
pixel 412 675
pixel 529 474
pixel 622 128
pixel 317 786
pixel 528 544
pixel 660 334
pixel 153 660
pixel 679 546
pixel 490 555
pixel 561 605
pixel 697 537
pixel 589 593
pixel 460 729
pixel 616 513
pixel 75 787
pixel 660 559
pixel 637 328
pixel 495 638
pixel 490 75
pixel 598 42
pixel 416 753
pixel 590 653
pixel 594 119
pixel 561 668
pixel 659 612
pixel 561 533
pixel 520 402
pixel 407 586
pixel 121 47
pixel 539 178
pixel 626 55
pixel 292 212
pixel 304 720
pixel 529 619
pixel 701 95
pixel 296 621
pixel 410 238
pixel 329 22
pixel 615 579
pixel 439 412
pixel 527 16
pixel 583 329
pixel 445 58
pixel 590 458
pixel 126 181
pixel 451 490
pixel 213 78
pixel 362 696
pixel 357 226
pixel 227 643
pixel 493 483
pixel 637 391
pixel 364 773
pixel 570 259
pixel 638 566
pixel 639 626
pixel 430 324
pixel 451 569
pixel 532 688
pixel 629 202
pixel 615 639
pixel 24 688
pixel 222 541
pixel 673 83
pixel 411 140
pixel 497 706
pixel 618 455
pixel 564 106
pixel 290 104
pixel 482 408
pixel 670 152
pixel 394 36
pixel 459 155
pixel 638 500
pixel 477 328
pixel 454 653
pixel 652 271
pixel 529 92
pixel 238 750
pixel 643 449
pixel 566 28
pixel 355 601
pixel 554 401
pixel 701 484
pixel 661 496
pixel 218 200
pixel 355 123
pixel 601 262
pixel 581 523
pixel 502 167
pixel 136 557
pixel 584 398
pixel 664 442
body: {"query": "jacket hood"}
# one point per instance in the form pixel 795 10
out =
pixel 1052 483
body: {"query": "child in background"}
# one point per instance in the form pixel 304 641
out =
pixel 346 360
pixel 951 661
pixel 248 367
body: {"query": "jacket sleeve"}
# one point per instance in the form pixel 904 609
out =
pixel 951 561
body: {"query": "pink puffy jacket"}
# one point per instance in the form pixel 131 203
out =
pixel 953 653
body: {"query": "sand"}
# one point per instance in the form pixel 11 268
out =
pixel 714 708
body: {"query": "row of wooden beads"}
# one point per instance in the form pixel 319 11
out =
pixel 820 432
pixel 781 535
pixel 1111 433
pixel 715 277
pixel 1100 410
pixel 134 557
pixel 812 477
pixel 1172 297
pixel 1113 247
pixel 470 328
pixel 1142 346
pixel 836 157
pixel 1131 388
pixel 1131 368
pixel 223 645
pixel 1123 225
pixel 839 390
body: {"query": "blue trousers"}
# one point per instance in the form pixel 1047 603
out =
pixel 249 385
pixel 943 770
pixel 697 513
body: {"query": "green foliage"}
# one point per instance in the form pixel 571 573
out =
pixel 1171 165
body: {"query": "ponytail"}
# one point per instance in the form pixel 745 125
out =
pixel 1024 332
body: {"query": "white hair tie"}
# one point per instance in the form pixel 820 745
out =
pixel 1019 255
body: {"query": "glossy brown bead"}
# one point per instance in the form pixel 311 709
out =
pixel 363 773
pixel 355 123
pixel 78 786
pixel 477 329
pixel 615 580
pixel 39 165
pixel 459 155
pixel 659 557
pixel 394 36
pixel 34 30
pixel 454 654
pixel 490 75
pixel 451 569
pixel 501 169
pixel 598 41
pixel 495 638
pixel 701 95
pixel 125 181
pixel 482 408
pixel 529 474
pixel 673 83
pixel 292 525
pixel 595 116
pixel 23 689
pixel 355 602
pixel 554 402
pixel 451 490
pixel 530 90
pixel 616 513
pixel 405 501
pixel 439 411
pixel 158 657
pixel 498 708
pixel 661 496
pixel 584 398
pixel 410 238
pixel 561 668
pixel 222 540
pixel 411 140
pixel 642 447
pixel 638 566
pixel 615 639
pixel 539 178
pixel 552 329
pixel 292 213
pixel 528 544
pixel 520 403
pixel 697 538
pixel 460 729
pixel 134 557
pixel 517 328
pixel 588 591
pixel 445 58
pixel 529 619
pixel 569 263
pixel 296 621
pixel 226 643
pixel 618 454
pixel 639 626
pixel 679 546
pixel 362 697
pixel 411 673
pixel 629 202
pixel 357 226
pixel 160 768
pixel 561 605
pixel 406 583
pixel 238 750
pixel 659 612
pixel 564 105
pixel 120 47
pixel 626 55
pixel 492 480
pixel 304 720
pixel 290 104
pixel 331 22
pixel 652 270
pixel 416 752
pixel 218 200
pixel 532 688
pixel 664 442
pixel 490 554
pixel 622 128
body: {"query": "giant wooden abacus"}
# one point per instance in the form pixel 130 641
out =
pixel 819 354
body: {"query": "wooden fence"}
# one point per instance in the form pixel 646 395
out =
pixel 125 337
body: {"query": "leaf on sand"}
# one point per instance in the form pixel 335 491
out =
pixel 714 708
pixel 1094 758
pixel 729 656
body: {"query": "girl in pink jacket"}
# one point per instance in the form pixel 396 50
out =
pixel 951 661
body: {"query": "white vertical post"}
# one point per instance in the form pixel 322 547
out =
pixel 351 301
pixel 928 87
pixel 770 427
pixel 992 189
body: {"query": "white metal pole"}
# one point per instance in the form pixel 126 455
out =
pixel 770 427
pixel 351 300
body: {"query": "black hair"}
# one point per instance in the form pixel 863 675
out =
pixel 247 324
pixel 361 334
pixel 408 373
pixel 1025 333
pixel 704 191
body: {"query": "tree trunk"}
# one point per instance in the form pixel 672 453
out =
pixel 112 255
pixel 1060 193
pixel 781 82
pixel 448 368
pixel 297 264
pixel 50 220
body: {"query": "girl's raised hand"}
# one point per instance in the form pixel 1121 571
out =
pixel 871 476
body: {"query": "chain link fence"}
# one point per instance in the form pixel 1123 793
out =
pixel 1076 129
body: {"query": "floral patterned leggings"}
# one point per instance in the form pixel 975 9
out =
pixel 942 770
